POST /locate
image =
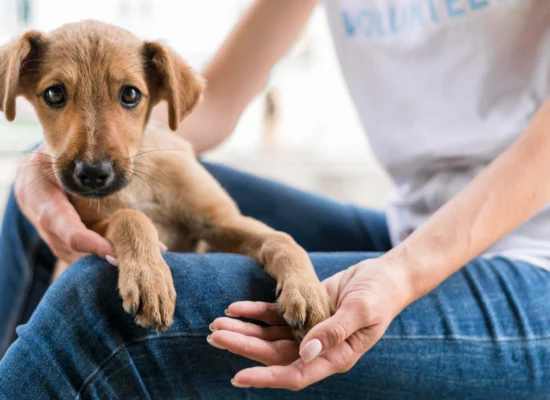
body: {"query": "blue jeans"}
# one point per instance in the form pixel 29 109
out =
pixel 483 333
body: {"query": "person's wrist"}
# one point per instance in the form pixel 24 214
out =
pixel 399 272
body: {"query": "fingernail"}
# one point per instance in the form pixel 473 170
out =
pixel 229 314
pixel 111 260
pixel 211 327
pixel 213 343
pixel 239 385
pixel 311 350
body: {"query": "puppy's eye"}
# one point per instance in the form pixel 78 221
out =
pixel 130 96
pixel 55 96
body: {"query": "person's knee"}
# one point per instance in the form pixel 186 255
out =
pixel 86 296
pixel 86 282
pixel 83 295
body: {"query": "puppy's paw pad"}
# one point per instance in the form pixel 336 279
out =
pixel 148 295
pixel 304 305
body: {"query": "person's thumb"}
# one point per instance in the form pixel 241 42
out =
pixel 88 241
pixel 331 332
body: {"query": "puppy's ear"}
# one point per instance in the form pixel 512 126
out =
pixel 16 59
pixel 171 79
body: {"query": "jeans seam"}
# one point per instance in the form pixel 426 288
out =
pixel 389 338
pixel 466 339
pixel 126 345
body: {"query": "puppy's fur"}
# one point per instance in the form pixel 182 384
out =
pixel 154 195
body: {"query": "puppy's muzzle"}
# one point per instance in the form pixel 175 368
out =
pixel 93 176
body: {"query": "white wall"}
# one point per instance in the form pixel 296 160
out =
pixel 8 19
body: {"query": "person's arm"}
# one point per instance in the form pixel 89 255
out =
pixel 369 295
pixel 507 193
pixel 240 68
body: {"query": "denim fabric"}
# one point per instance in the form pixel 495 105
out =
pixel 483 333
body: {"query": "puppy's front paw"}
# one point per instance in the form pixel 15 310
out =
pixel 304 304
pixel 148 293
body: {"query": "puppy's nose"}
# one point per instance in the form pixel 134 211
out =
pixel 93 175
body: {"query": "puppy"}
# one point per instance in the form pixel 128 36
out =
pixel 93 86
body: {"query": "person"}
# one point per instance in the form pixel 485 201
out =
pixel 445 295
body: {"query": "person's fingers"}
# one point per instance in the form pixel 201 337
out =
pixel 260 311
pixel 270 333
pixel 57 218
pixel 332 332
pixel 61 219
pixel 112 260
pixel 281 352
pixel 35 179
pixel 87 241
pixel 60 249
pixel 294 377
pixel 47 207
pixel 299 374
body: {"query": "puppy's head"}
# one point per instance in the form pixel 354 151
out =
pixel 93 86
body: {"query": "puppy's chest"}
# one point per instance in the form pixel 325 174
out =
pixel 172 229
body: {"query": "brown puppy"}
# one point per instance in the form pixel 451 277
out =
pixel 93 86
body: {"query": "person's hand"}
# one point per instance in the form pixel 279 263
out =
pixel 47 207
pixel 367 297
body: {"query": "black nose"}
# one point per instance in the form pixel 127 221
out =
pixel 93 175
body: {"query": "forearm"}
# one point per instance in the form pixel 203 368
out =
pixel 507 193
pixel 240 68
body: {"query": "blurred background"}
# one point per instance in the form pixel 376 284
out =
pixel 302 130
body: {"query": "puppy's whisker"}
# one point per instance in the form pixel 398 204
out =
pixel 46 174
pixel 153 170
pixel 41 153
pixel 138 176
pixel 40 168
pixel 40 185
pixel 50 162
pixel 150 151
pixel 146 174
pixel 35 164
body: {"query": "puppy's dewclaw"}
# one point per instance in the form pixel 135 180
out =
pixel 93 86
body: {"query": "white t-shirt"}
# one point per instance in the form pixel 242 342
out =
pixel 442 88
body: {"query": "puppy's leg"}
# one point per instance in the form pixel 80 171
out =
pixel 304 301
pixel 145 282
pixel 198 201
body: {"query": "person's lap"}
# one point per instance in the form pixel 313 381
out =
pixel 317 223
pixel 484 331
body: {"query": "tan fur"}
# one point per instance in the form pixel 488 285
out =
pixel 169 195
